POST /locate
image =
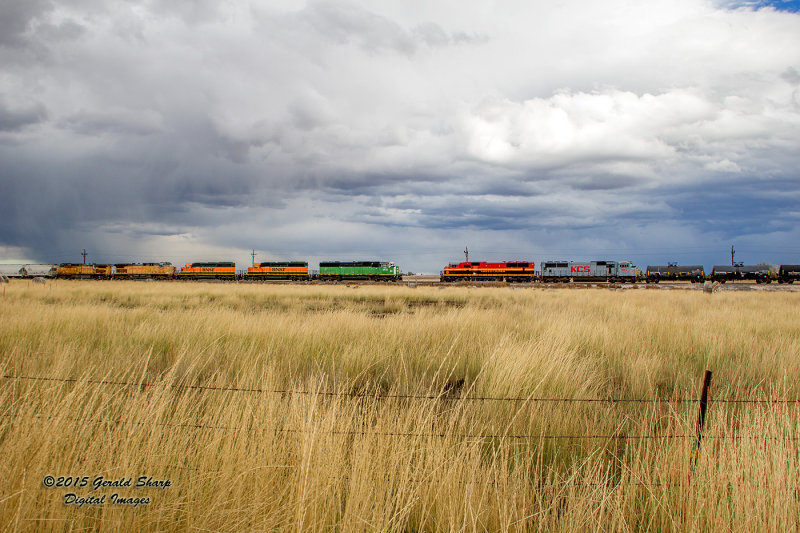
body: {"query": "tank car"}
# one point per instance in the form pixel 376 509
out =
pixel 673 272
pixel 359 270
pixel 562 271
pixel 286 270
pixel 514 271
pixel 788 273
pixel 224 270
pixel 738 272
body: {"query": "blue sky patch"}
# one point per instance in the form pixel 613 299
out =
pixel 792 6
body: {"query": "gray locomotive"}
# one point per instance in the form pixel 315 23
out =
pixel 554 271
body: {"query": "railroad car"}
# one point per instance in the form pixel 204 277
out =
pixel 515 271
pixel 39 271
pixel 788 273
pixel 215 270
pixel 561 271
pixel 12 271
pixel 738 272
pixel 80 271
pixel 163 270
pixel 359 270
pixel 287 270
pixel 29 271
pixel 672 272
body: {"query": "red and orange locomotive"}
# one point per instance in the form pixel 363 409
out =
pixel 522 271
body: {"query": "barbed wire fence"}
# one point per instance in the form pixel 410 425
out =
pixel 385 396
pixel 694 439
pixel 702 402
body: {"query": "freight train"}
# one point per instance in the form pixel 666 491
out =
pixel 507 271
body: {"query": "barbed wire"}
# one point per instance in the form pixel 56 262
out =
pixel 408 434
pixel 444 396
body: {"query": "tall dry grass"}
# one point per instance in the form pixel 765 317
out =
pixel 360 409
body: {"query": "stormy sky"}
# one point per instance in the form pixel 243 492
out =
pixel 403 130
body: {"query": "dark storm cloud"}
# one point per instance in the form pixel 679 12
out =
pixel 15 119
pixel 117 122
pixel 142 184
pixel 742 208
pixel 603 182
pixel 16 18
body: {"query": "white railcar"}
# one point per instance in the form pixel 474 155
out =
pixel 12 271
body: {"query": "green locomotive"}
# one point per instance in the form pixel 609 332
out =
pixel 353 270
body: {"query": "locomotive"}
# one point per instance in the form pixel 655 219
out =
pixel 622 271
pixel 359 270
pixel 80 271
pixel 481 271
pixel 163 270
pixel 292 270
pixel 224 270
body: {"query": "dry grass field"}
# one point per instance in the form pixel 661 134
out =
pixel 333 408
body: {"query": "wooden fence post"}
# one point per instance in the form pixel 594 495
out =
pixel 701 416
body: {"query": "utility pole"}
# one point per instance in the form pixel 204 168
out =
pixel 732 253
pixel 466 254
pixel 254 257
pixel 84 254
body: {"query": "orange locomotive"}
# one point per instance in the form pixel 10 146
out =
pixel 481 271
pixel 145 271
pixel 217 270
pixel 291 270
pixel 79 271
